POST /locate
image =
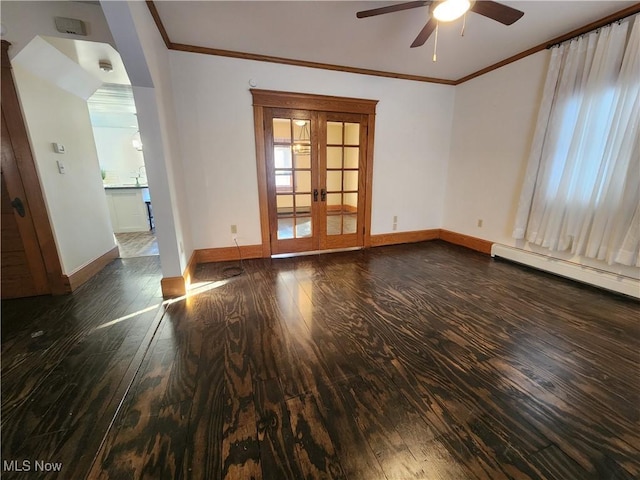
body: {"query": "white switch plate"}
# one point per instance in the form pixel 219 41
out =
pixel 58 147
pixel 60 167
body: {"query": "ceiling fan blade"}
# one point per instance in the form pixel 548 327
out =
pixel 425 33
pixel 398 7
pixel 497 11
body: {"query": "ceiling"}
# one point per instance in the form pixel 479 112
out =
pixel 112 104
pixel 328 32
pixel 88 55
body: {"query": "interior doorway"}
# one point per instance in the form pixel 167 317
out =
pixel 314 164
pixel 120 150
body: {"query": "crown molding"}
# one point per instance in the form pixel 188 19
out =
pixel 304 63
pixel 624 13
pixel 619 15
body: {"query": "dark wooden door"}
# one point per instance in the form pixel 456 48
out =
pixel 23 271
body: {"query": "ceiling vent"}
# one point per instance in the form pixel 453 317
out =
pixel 72 26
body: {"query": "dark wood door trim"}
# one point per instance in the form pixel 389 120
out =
pixel 371 123
pixel 321 103
pixel 307 101
pixel 16 127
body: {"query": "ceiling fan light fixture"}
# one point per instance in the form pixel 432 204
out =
pixel 450 10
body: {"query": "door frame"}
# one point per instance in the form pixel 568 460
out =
pixel 316 103
pixel 28 173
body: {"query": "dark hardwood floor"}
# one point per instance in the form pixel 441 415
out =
pixel 424 361
pixel 66 364
pixel 137 244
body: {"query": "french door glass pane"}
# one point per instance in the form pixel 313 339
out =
pixel 302 160
pixel 285 228
pixel 351 157
pixel 303 204
pixel 334 133
pixel 334 180
pixel 350 180
pixel 334 225
pixel 350 202
pixel 334 157
pixel 334 202
pixel 284 204
pixel 349 223
pixel 303 227
pixel 282 156
pixel 302 137
pixel 281 130
pixel 303 181
pixel 352 134
pixel 284 180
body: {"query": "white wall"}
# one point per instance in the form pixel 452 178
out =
pixel 215 124
pixel 25 20
pixel 117 155
pixel 76 202
pixel 493 126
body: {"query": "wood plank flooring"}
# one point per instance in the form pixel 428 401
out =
pixel 66 364
pixel 424 361
pixel 137 244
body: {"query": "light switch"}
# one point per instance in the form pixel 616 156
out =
pixel 60 167
pixel 58 147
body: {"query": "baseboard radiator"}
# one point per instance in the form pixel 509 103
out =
pixel 581 273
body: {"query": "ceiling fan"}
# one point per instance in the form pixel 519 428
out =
pixel 449 10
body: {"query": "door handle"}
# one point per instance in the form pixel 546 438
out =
pixel 315 194
pixel 323 195
pixel 19 206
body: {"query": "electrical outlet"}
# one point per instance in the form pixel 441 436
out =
pixel 479 222
pixel 234 229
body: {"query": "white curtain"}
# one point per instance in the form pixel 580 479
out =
pixel 582 187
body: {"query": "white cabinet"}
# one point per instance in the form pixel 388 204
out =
pixel 127 209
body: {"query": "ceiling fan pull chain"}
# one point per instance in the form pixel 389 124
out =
pixel 464 24
pixel 435 44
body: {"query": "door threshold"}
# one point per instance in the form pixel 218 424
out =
pixel 315 252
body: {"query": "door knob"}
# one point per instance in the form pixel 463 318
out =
pixel 315 194
pixel 323 195
pixel 18 205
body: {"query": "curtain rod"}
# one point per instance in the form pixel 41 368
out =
pixel 603 22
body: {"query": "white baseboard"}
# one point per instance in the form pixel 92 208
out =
pixel 581 273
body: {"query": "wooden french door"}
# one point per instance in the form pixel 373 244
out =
pixel 315 165
pixel 314 158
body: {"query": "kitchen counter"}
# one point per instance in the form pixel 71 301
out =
pixel 111 187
